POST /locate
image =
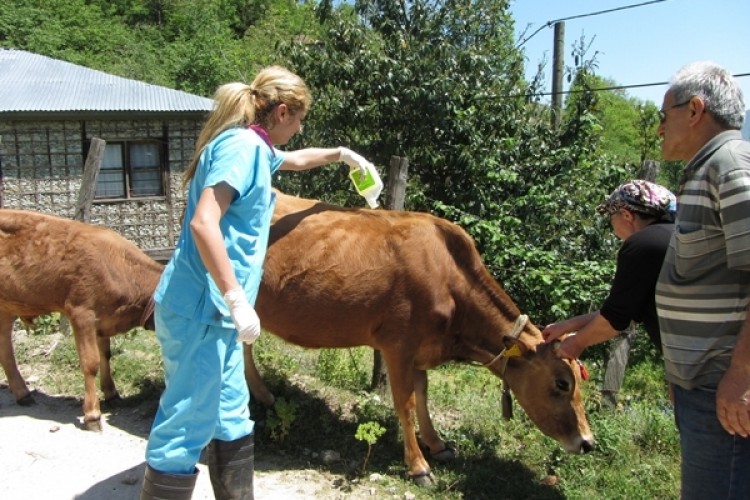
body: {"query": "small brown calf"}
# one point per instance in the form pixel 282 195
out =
pixel 98 279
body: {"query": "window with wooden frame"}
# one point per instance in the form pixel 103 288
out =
pixel 131 169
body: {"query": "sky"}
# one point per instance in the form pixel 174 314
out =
pixel 640 45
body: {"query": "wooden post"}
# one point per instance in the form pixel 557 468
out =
pixel 398 176
pixel 88 182
pixel 396 194
pixel 2 184
pixel 558 67
pixel 86 196
pixel 649 170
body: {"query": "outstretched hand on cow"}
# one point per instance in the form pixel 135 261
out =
pixel 571 346
pixel 578 333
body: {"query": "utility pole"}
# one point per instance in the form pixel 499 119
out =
pixel 558 65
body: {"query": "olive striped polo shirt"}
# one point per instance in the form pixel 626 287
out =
pixel 704 286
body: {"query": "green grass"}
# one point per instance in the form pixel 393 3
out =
pixel 326 400
pixel 637 455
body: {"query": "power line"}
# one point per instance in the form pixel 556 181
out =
pixel 549 24
pixel 617 87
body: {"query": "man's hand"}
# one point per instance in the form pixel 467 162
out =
pixel 245 318
pixel 733 402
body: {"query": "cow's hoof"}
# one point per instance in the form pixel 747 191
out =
pixel 93 425
pixel 447 454
pixel 426 480
pixel 27 400
pixel 114 401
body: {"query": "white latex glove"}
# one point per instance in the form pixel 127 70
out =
pixel 354 160
pixel 245 318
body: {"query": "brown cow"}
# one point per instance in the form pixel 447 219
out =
pixel 98 279
pixel 414 287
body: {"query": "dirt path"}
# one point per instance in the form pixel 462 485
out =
pixel 44 454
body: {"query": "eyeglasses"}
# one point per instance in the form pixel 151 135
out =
pixel 663 112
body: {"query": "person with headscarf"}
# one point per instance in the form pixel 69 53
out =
pixel 642 216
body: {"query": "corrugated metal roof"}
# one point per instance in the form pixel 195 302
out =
pixel 33 83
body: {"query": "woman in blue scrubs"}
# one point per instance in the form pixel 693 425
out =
pixel 204 301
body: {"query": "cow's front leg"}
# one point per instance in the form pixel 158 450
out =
pixel 439 450
pixel 106 382
pixel 16 383
pixel 84 331
pixel 401 373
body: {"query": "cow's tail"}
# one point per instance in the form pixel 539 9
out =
pixel 254 381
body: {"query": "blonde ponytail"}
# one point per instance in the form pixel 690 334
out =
pixel 239 104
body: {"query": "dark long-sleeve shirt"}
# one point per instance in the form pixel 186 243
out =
pixel 631 297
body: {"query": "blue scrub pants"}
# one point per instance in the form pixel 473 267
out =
pixel 715 464
pixel 206 395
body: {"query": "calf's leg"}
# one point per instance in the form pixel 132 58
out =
pixel 84 331
pixel 106 382
pixel 8 360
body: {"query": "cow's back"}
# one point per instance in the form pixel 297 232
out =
pixel 48 262
pixel 349 271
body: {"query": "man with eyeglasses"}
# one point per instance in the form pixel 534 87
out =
pixel 703 289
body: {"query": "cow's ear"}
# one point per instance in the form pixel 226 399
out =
pixel 555 345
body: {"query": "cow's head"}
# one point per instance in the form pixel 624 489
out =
pixel 549 390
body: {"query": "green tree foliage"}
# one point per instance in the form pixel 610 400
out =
pixel 441 84
pixel 627 126
pixel 189 45
pixel 68 29
pixel 201 45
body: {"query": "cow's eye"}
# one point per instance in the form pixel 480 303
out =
pixel 562 385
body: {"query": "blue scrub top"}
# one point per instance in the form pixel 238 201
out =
pixel 242 159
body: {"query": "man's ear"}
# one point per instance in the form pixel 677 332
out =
pixel 697 109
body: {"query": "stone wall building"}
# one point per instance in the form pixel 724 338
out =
pixel 50 111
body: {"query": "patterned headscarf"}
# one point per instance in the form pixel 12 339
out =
pixel 641 196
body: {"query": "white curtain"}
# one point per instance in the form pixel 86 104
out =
pixel 111 180
pixel 145 164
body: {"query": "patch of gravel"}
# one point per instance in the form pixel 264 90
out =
pixel 45 454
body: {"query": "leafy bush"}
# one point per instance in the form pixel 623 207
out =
pixel 46 324
pixel 345 368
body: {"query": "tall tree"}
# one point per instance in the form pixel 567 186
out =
pixel 441 83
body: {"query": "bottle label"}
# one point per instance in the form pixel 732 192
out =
pixel 362 182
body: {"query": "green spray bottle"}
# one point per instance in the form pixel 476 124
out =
pixel 368 185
